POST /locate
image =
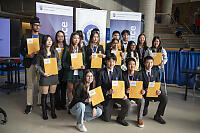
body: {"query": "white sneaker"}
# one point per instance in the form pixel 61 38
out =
pixel 81 127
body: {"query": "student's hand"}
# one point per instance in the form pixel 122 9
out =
pixel 154 81
pixel 146 90
pixel 46 75
pixel 128 90
pixel 100 55
pixel 122 54
pixel 94 112
pixel 88 100
pixel 83 67
pixel 110 91
pixel 142 92
pixel 158 92
pixel 72 68
pixel 125 97
pixel 30 55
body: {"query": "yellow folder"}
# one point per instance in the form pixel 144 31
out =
pixel 120 45
pixel 119 58
pixel 152 88
pixel 136 87
pixel 33 45
pixel 119 89
pixel 50 66
pixel 96 95
pixel 157 57
pixel 103 44
pixel 77 60
pixel 60 52
pixel 96 61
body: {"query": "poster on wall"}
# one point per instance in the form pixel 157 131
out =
pixel 54 18
pixel 126 20
pixel 88 19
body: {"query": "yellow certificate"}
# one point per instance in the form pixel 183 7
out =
pixel 118 55
pixel 119 89
pixel 50 66
pixel 60 52
pixel 152 88
pixel 96 95
pixel 96 61
pixel 77 60
pixel 157 57
pixel 33 45
pixel 136 87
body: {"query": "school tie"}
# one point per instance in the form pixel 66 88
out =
pixel 110 76
pixel 149 76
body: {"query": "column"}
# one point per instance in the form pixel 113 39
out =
pixel 166 8
pixel 147 7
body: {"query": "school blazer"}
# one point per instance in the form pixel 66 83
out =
pixel 125 78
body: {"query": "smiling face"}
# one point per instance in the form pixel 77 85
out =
pixel 89 78
pixel 125 36
pixel 110 63
pixel 142 39
pixel 148 64
pixel 115 45
pixel 156 43
pixel 131 66
pixel 60 37
pixel 36 27
pixel 49 42
pixel 116 36
pixel 75 39
pixel 132 47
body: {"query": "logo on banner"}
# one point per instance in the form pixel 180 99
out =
pixel 133 33
pixel 87 31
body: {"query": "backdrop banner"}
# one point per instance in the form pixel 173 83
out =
pixel 88 19
pixel 126 20
pixel 54 18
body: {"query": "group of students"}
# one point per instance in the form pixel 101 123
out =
pixel 80 81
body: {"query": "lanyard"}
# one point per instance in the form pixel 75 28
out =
pixel 141 51
pixel 94 49
pixel 131 78
pixel 75 51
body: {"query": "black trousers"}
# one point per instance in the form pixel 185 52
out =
pixel 108 107
pixel 162 98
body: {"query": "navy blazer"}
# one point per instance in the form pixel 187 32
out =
pixel 155 76
pixel 125 78
pixel 103 79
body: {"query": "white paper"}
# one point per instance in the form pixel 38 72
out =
pixel 152 84
pixel 73 55
pixel 114 83
pixel 75 72
pixel 94 55
pixel 58 49
pixel 47 61
pixel 92 92
pixel 154 54
pixel 30 41
pixel 133 83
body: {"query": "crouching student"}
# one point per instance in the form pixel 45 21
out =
pixel 47 81
pixel 105 77
pixel 81 105
pixel 132 75
pixel 150 75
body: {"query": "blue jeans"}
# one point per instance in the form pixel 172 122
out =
pixel 84 112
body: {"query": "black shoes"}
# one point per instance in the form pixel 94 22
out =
pixel 122 121
pixel 52 102
pixel 159 119
pixel 28 109
pixel 145 111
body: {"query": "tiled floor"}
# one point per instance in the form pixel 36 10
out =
pixel 181 116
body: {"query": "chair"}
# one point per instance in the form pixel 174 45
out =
pixel 196 80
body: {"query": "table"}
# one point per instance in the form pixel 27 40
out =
pixel 190 73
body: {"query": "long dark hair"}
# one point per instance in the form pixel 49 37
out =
pixel 91 37
pixel 129 48
pixel 93 84
pixel 159 46
pixel 56 39
pixel 43 50
pixel 71 43
pixel 138 41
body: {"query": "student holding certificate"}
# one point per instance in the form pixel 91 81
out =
pixel 29 61
pixel 92 50
pixel 156 48
pixel 72 55
pixel 105 78
pixel 81 105
pixel 47 81
pixel 60 95
pixel 141 48
pixel 150 75
pixel 129 76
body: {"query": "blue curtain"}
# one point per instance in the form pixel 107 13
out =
pixel 177 61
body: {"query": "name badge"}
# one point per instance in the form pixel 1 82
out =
pixel 73 55
pixel 58 49
pixel 92 92
pixel 133 83
pixel 152 84
pixel 94 55
pixel 114 83
pixel 47 61
pixel 154 54
pixel 30 41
